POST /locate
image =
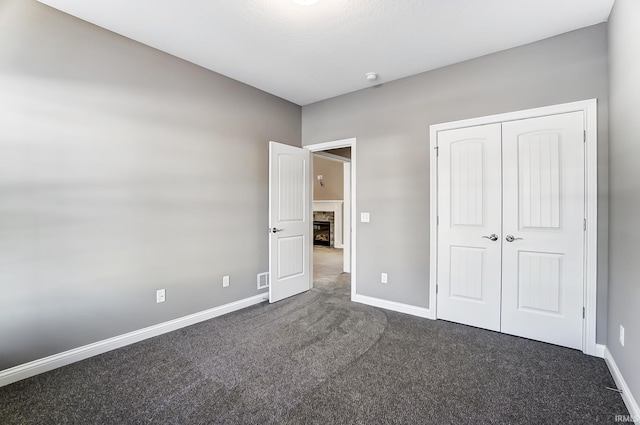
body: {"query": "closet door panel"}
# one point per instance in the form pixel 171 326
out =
pixel 543 241
pixel 469 210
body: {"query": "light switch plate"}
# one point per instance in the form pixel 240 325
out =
pixel 365 217
pixel 160 296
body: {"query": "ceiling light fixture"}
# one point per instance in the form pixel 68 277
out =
pixel 306 2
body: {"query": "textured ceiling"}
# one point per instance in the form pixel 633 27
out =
pixel 308 53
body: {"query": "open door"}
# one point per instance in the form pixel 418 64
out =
pixel 289 221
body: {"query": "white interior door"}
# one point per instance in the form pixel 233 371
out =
pixel 522 181
pixel 543 192
pixel 469 229
pixel 289 221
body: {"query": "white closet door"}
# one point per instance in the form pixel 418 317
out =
pixel 469 204
pixel 543 193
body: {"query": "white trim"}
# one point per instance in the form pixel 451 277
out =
pixel 394 306
pixel 433 220
pixel 627 397
pixel 342 143
pixel 346 219
pixel 345 143
pixel 589 108
pixel 591 237
pixel 46 364
pixel 336 208
pixel 583 105
pixel 600 350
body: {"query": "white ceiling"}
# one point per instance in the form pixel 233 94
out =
pixel 308 53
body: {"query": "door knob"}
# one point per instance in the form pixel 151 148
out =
pixel 492 237
pixel 511 238
pixel 274 230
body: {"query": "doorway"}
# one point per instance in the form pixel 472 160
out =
pixel 334 207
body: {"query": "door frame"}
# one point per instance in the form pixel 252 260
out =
pixel 589 108
pixel 344 143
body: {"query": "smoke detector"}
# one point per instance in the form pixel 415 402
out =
pixel 371 76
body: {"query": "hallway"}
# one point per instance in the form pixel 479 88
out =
pixel 327 265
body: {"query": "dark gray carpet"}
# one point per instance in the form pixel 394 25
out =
pixel 317 358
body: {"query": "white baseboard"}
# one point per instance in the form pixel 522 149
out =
pixel 600 348
pixel 628 398
pixel 394 306
pixel 46 364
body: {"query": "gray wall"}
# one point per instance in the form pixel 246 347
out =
pixel 624 133
pixel 122 170
pixel 391 124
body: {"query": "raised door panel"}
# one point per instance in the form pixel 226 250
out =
pixel 465 276
pixel 290 257
pixel 539 180
pixel 540 282
pixel 291 191
pixel 467 183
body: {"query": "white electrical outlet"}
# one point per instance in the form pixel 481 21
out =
pixel 622 335
pixel 365 217
pixel 225 281
pixel 160 296
pixel 383 277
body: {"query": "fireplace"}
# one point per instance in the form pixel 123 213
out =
pixel 322 233
pixel 324 219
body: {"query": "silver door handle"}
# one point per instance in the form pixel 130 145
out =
pixel 492 237
pixel 511 238
pixel 274 230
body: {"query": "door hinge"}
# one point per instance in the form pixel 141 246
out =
pixel 584 136
pixel 584 224
pixel 436 288
pixel 437 220
pixel 437 151
pixel 583 312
